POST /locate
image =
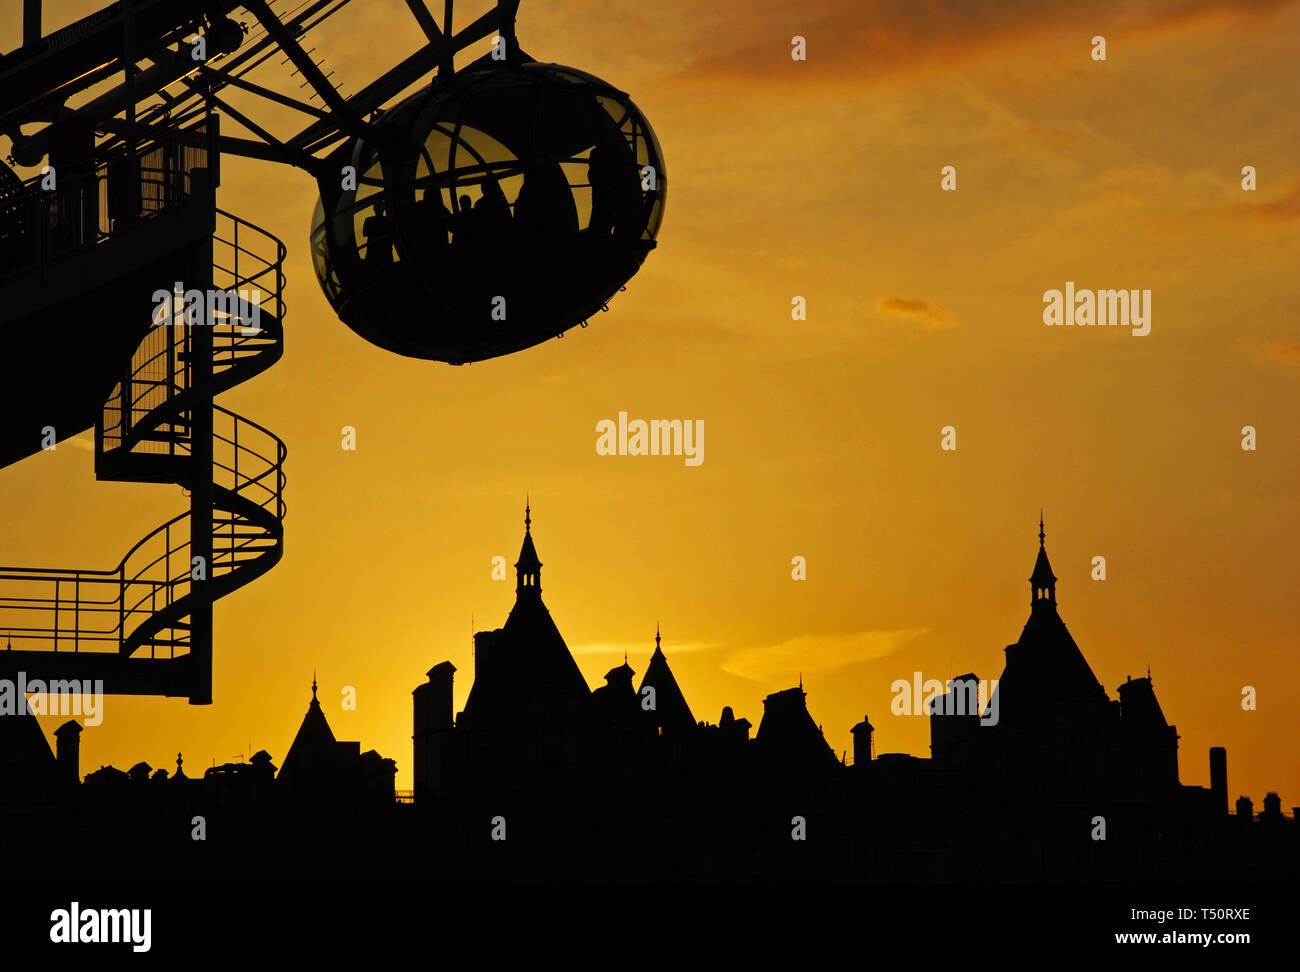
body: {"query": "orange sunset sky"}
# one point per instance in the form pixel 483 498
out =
pixel 822 437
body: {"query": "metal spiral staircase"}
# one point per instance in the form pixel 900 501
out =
pixel 145 627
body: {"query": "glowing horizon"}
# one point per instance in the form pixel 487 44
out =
pixel 818 179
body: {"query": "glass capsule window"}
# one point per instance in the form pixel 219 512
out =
pixel 538 154
pixel 524 186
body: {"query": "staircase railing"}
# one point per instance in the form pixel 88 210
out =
pixel 147 433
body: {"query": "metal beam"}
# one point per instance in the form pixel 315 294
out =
pixel 411 70
pixel 238 116
pixel 310 72
pixel 447 66
pixel 121 676
pixel 425 20
pixel 284 154
pixel 219 78
pixel 233 145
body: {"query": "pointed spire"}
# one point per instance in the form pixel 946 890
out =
pixel 1042 581
pixel 313 685
pixel 656 636
pixel 528 569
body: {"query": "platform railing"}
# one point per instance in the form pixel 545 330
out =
pixel 78 206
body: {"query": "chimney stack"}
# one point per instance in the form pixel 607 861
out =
pixel 1219 777
pixel 433 720
pixel 862 742
pixel 67 749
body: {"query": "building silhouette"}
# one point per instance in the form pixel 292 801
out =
pixel 318 769
pixel 1065 784
pixel 540 777
pixel 237 818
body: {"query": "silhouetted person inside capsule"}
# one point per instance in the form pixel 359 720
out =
pixel 464 225
pixel 545 206
pixel 485 222
pixel 379 237
pixel 435 218
pixel 616 199
pixel 491 212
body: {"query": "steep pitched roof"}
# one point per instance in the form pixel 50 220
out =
pixel 525 666
pixel 314 745
pixel 670 711
pixel 21 740
pixel 1046 677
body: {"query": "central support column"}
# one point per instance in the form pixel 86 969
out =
pixel 201 512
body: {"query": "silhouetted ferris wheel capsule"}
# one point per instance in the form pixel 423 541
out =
pixel 492 211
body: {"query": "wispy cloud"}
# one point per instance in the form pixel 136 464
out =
pixel 635 649
pixel 889 36
pixel 1278 349
pixel 815 654
pixel 922 312
pixel 1281 210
